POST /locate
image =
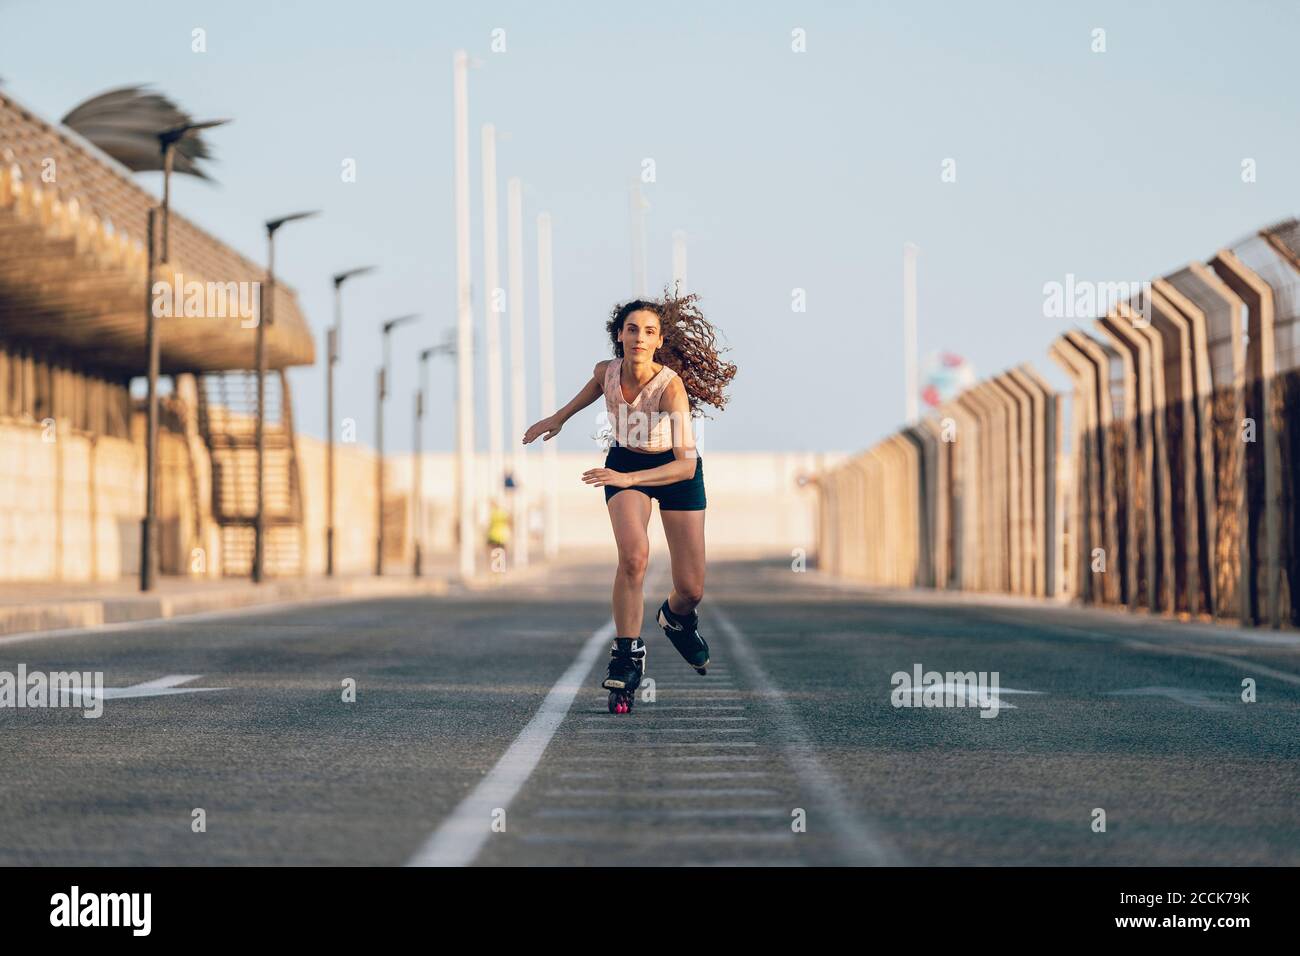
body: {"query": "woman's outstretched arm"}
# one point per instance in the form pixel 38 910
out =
pixel 550 426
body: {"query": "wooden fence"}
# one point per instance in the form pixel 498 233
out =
pixel 1175 493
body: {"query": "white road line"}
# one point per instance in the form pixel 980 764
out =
pixel 693 693
pixel 664 730
pixel 676 745
pixel 673 689
pixel 716 758
pixel 1181 695
pixel 646 715
pixel 674 775
pixel 1237 663
pixel 594 719
pixel 712 775
pixel 716 689
pixel 1171 649
pixel 641 841
pixel 648 708
pixel 708 718
pixel 729 864
pixel 692 813
pixel 858 840
pixel 461 836
pixel 690 793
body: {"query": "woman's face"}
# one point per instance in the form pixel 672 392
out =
pixel 641 335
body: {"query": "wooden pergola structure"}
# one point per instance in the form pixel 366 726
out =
pixel 73 297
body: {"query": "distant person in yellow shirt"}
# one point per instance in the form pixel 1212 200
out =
pixel 498 536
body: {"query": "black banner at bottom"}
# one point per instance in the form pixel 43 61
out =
pixel 201 905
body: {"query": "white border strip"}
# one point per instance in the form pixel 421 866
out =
pixel 858 841
pixel 461 836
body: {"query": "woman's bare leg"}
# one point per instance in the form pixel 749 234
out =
pixel 685 533
pixel 629 513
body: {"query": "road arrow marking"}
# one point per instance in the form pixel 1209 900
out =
pixel 1181 695
pixel 161 687
pixel 971 693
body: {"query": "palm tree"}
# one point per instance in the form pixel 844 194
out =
pixel 128 123
pixel 143 131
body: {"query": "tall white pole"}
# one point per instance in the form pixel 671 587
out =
pixel 910 250
pixel 491 305
pixel 518 395
pixel 464 323
pixel 679 262
pixel 546 340
pixel 636 208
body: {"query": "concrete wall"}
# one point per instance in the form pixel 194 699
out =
pixel 756 505
pixel 71 504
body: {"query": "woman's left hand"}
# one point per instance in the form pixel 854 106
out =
pixel 598 477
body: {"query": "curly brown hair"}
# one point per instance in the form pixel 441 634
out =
pixel 690 347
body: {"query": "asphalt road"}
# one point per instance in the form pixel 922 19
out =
pixel 479 734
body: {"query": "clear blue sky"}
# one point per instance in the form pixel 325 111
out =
pixel 786 170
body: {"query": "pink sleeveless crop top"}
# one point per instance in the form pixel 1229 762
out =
pixel 640 425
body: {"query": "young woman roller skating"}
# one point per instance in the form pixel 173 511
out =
pixel 666 366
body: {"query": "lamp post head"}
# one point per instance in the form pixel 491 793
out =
pixel 400 320
pixel 341 277
pixel 142 129
pixel 176 133
pixel 445 348
pixel 273 224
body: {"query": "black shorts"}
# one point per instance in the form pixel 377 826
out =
pixel 686 495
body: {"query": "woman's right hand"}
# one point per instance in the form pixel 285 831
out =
pixel 551 425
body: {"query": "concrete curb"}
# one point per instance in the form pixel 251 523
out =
pixel 96 612
pixel 1101 615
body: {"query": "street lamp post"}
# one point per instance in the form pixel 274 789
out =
pixel 265 317
pixel 518 376
pixel 379 441
pixel 167 141
pixel 151 419
pixel 448 347
pixel 546 352
pixel 464 322
pixel 333 346
pixel 912 391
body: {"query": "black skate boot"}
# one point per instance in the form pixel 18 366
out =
pixel 626 667
pixel 683 632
